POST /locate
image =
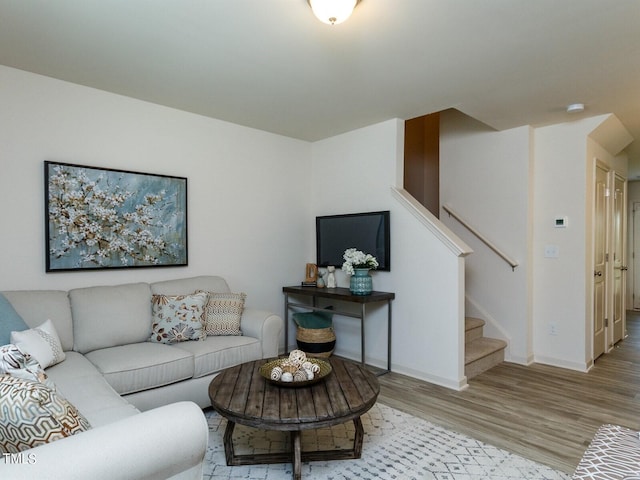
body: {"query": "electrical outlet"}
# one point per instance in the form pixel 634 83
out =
pixel 551 251
pixel 553 328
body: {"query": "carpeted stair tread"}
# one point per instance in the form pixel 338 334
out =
pixel 471 322
pixel 482 347
pixel 473 329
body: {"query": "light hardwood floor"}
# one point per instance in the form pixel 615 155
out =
pixel 543 413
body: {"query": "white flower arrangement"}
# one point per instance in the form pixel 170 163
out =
pixel 357 259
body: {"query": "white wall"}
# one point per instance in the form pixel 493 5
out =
pixel 352 173
pixel 511 185
pixel 563 178
pixel 246 196
pixel 484 177
pixel 253 197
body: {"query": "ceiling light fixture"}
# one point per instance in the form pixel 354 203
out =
pixel 575 108
pixel 332 12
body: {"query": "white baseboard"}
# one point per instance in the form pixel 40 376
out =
pixel 558 362
pixel 519 360
pixel 443 382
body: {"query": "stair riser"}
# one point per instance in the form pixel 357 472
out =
pixel 483 364
pixel 473 334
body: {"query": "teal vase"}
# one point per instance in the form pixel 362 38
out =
pixel 361 282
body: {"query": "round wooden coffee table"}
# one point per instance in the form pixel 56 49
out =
pixel 242 395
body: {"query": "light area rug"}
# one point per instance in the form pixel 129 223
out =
pixel 397 446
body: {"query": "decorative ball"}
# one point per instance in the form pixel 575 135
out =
pixel 315 368
pixel 297 357
pixel 288 366
pixel 300 376
pixel 310 374
pixel 307 365
pixel 276 373
pixel 286 377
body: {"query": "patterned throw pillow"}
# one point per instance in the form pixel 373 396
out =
pixel 33 414
pixel 223 313
pixel 22 365
pixel 42 343
pixel 178 318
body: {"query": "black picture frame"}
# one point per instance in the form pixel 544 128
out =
pixel 103 218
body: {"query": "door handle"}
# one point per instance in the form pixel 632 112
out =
pixel 597 274
pixel 624 268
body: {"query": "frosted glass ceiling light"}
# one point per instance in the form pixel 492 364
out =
pixel 575 108
pixel 332 11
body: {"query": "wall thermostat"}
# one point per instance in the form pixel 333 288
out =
pixel 560 222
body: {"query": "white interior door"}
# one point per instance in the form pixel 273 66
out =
pixel 600 262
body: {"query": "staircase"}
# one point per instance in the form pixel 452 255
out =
pixel 481 353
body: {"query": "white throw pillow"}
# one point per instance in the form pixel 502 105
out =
pixel 42 343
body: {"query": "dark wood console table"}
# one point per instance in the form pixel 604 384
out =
pixel 342 295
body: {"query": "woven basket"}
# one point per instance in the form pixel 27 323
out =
pixel 316 342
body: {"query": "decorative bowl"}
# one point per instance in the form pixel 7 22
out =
pixel 265 371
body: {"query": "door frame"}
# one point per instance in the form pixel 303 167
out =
pixel 600 276
pixel 635 286
pixel 618 259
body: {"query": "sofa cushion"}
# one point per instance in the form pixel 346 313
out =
pixel 184 286
pixel 10 320
pixel 110 316
pixel 42 343
pixel 178 318
pixel 35 306
pixel 141 366
pixel 223 313
pixel 34 414
pixel 84 386
pixel 215 353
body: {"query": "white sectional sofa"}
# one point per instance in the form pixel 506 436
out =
pixel 142 399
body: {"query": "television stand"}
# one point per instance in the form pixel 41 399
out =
pixel 341 295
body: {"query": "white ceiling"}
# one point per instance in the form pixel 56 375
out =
pixel 271 65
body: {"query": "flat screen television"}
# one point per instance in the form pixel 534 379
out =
pixel 367 231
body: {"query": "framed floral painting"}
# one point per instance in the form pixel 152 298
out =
pixel 101 218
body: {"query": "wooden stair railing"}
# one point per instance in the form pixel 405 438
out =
pixel 512 263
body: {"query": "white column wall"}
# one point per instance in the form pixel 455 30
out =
pixel 563 181
pixel 353 173
pixel 485 177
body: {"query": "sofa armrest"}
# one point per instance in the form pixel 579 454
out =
pixel 265 326
pixel 166 442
